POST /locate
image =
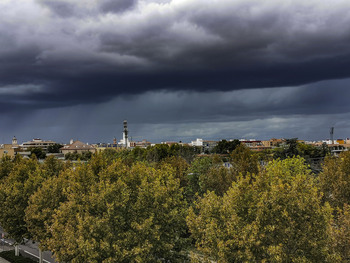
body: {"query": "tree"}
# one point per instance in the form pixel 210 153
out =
pixel 74 156
pixel 225 147
pixel 157 153
pixel 6 166
pixel 244 161
pixel 52 166
pixel 55 148
pixel 278 217
pixel 340 233
pixel 15 190
pixel 180 167
pixel 218 179
pixel 38 152
pixel 335 180
pixel 124 214
pixel 294 148
pixel 199 167
pixel 41 208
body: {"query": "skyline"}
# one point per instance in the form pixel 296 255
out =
pixel 174 69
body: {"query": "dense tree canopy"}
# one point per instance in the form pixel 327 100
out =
pixel 294 148
pixel 125 214
pixel 278 217
pixel 335 180
pixel 38 152
pixel 244 161
pixel 55 148
pixel 225 147
pixel 132 206
pixel 15 190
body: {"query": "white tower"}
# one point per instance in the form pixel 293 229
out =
pixel 14 141
pixel 125 134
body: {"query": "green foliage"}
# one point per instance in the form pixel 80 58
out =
pixel 41 208
pixel 52 166
pixel 293 148
pixel 208 174
pixel 160 152
pixel 155 154
pixel 55 148
pixel 180 167
pixel 225 147
pixel 6 166
pixel 198 169
pixel 244 161
pixel 218 179
pixel 340 233
pixel 84 156
pixel 15 190
pixel 123 214
pixel 335 180
pixel 278 217
pixel 131 206
pixel 38 152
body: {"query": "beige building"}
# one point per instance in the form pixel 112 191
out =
pixel 37 143
pixel 273 142
pixel 9 149
pixel 77 147
pixel 142 144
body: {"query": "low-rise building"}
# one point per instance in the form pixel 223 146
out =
pixel 37 143
pixel 256 145
pixel 169 143
pixel 273 142
pixel 141 144
pixel 205 145
pixel 77 147
pixel 9 149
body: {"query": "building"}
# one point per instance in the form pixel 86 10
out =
pixel 256 145
pixel 37 143
pixel 103 146
pixel 205 145
pixel 77 147
pixel 273 142
pixel 169 143
pixel 9 149
pixel 141 144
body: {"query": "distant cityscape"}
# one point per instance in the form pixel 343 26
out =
pixel 206 146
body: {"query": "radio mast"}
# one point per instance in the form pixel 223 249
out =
pixel 331 131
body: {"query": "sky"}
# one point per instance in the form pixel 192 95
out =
pixel 175 69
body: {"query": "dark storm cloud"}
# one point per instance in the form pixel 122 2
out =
pixel 234 63
pixel 76 53
pixel 306 112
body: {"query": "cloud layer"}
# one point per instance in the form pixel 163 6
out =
pixel 57 54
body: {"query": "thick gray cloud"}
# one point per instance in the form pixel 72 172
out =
pixel 197 60
pixel 304 111
pixel 117 6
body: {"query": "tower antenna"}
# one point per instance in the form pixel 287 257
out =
pixel 331 131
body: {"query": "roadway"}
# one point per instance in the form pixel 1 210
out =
pixel 29 248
